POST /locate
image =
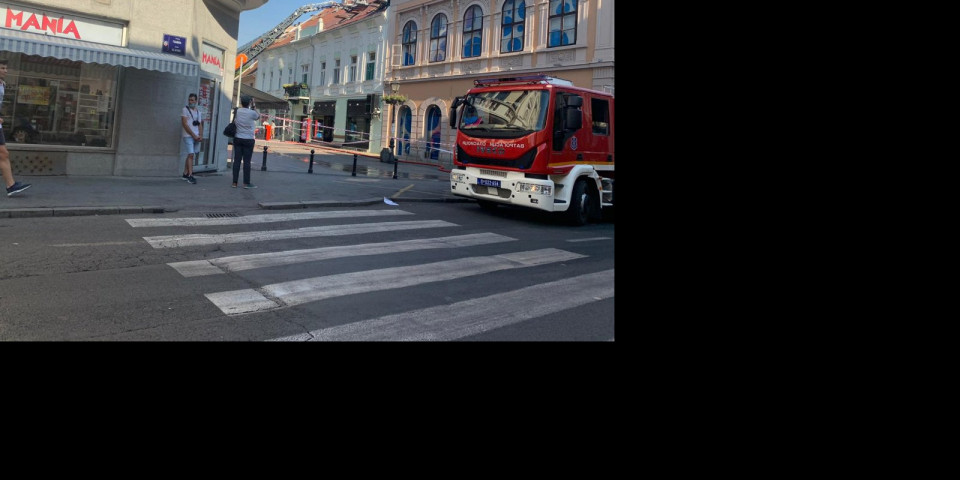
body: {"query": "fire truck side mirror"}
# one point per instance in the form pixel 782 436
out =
pixel 457 101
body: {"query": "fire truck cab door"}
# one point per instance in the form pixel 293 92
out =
pixel 567 127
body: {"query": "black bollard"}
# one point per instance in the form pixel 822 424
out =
pixel 354 173
pixel 311 162
pixel 263 166
pixel 395 163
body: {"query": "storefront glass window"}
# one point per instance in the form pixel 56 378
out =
pixel 50 101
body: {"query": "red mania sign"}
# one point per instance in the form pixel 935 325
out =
pixel 212 60
pixel 56 26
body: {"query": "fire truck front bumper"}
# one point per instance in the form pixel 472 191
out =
pixel 509 188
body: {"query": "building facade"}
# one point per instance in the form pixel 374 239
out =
pixel 96 87
pixel 439 47
pixel 330 69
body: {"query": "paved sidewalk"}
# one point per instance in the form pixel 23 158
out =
pixel 285 184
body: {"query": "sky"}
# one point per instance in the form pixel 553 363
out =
pixel 258 21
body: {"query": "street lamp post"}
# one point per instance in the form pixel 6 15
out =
pixel 386 153
pixel 394 88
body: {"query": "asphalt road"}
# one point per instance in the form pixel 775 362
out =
pixel 415 271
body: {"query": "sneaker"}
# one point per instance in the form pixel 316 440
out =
pixel 249 185
pixel 234 185
pixel 17 188
pixel 193 181
pixel 186 177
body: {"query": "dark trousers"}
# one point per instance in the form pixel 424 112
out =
pixel 242 152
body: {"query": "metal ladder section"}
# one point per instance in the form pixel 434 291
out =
pixel 252 48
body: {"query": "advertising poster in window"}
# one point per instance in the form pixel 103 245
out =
pixel 203 101
pixel 33 95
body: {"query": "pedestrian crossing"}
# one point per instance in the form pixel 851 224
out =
pixel 192 240
pixel 239 263
pixel 252 219
pixel 301 291
pixel 470 317
pixel 458 318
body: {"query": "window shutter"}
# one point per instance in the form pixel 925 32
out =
pixel 396 55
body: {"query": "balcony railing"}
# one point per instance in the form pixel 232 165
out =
pixel 296 91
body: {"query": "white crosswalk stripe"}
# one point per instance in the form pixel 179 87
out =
pixel 471 317
pixel 297 292
pixel 239 263
pixel 174 241
pixel 253 219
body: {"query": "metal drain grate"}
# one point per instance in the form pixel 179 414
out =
pixel 222 215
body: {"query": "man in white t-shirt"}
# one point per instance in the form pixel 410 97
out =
pixel 192 121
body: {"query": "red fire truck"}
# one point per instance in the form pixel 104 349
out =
pixel 535 141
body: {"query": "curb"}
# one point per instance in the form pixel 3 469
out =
pixel 78 211
pixel 123 210
pixel 355 203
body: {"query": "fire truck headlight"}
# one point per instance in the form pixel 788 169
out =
pixel 458 177
pixel 534 188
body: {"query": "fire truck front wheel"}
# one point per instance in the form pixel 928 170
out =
pixel 581 204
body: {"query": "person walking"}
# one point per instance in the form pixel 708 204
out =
pixel 192 121
pixel 13 186
pixel 353 131
pixel 245 118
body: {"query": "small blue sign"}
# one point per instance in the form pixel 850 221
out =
pixel 172 44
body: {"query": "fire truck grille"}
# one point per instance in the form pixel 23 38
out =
pixel 498 192
pixel 493 173
pixel 524 162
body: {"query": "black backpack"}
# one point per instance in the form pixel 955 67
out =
pixel 231 129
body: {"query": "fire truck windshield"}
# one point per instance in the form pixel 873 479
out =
pixel 505 114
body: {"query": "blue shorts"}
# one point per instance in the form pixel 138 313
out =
pixel 189 145
pixel 2 140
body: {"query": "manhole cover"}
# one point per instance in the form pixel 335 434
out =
pixel 222 215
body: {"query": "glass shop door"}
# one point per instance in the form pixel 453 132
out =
pixel 209 102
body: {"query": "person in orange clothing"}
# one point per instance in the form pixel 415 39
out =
pixel 267 130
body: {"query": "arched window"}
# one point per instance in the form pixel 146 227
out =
pixel 563 23
pixel 472 31
pixel 514 17
pixel 409 43
pixel 438 38
pixel 433 132
pixel 404 118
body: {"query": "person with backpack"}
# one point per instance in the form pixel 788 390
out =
pixel 245 119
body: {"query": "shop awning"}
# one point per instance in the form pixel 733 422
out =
pixel 263 99
pixel 59 47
